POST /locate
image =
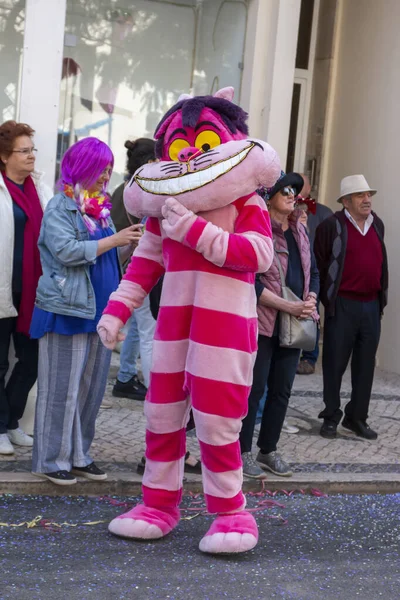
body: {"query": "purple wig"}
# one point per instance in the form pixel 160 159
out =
pixel 232 115
pixel 84 162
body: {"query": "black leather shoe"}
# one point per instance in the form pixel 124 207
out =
pixel 360 428
pixel 328 429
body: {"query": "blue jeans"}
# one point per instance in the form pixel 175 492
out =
pixel 139 339
pixel 129 352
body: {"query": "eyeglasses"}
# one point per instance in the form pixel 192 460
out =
pixel 288 191
pixel 26 151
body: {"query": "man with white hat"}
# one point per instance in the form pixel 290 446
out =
pixel 352 262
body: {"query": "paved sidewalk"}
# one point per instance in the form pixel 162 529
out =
pixel 347 463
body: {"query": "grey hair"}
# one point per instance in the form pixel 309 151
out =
pixel 346 197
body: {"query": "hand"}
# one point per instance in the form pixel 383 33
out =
pixel 312 298
pixel 302 309
pixel 109 332
pixel 173 210
pixel 128 236
pixel 177 219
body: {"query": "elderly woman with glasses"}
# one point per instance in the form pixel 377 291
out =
pixel 275 366
pixel 23 197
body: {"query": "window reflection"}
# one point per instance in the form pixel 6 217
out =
pixel 126 63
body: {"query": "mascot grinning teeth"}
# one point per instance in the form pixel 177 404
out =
pixel 195 177
pixel 208 233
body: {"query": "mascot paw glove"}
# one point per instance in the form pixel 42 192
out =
pixel 177 220
pixel 108 329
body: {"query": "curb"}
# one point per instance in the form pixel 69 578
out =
pixel 129 484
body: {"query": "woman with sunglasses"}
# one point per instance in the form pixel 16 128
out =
pixel 276 366
pixel 23 197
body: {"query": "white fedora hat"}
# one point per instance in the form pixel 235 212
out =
pixel 354 184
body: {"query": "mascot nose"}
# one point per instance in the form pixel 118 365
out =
pixel 187 153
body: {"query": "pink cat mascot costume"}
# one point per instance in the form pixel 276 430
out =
pixel 209 232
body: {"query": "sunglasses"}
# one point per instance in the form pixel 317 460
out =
pixel 288 191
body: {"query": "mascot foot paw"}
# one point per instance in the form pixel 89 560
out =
pixel 145 523
pixel 231 534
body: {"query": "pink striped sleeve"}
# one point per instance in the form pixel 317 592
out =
pixel 249 248
pixel 145 269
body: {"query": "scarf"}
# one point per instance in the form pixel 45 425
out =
pixel 28 201
pixel 95 207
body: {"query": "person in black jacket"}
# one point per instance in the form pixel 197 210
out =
pixel 315 214
pixel 140 333
pixel 351 257
pixel 139 152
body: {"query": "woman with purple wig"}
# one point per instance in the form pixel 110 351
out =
pixel 78 251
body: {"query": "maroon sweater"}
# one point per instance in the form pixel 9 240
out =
pixel 362 270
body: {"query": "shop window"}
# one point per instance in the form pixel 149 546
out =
pixel 125 63
pixel 12 23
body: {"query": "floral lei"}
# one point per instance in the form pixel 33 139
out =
pixel 96 206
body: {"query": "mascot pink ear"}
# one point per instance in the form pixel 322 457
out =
pixel 226 93
pixel 184 97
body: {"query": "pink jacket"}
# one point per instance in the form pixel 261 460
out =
pixel 271 279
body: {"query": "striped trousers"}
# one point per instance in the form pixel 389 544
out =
pixel 72 378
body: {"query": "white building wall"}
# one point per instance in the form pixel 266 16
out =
pixel 269 64
pixel 364 131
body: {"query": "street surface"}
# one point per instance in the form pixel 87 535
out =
pixel 338 547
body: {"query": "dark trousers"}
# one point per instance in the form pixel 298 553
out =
pixel 276 367
pixel 354 329
pixel 14 395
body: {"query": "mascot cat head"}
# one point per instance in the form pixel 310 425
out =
pixel 206 158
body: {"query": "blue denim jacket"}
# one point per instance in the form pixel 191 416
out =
pixel 66 254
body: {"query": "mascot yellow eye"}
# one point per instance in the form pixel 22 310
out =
pixel 207 139
pixel 176 147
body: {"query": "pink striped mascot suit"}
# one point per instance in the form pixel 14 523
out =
pixel 209 233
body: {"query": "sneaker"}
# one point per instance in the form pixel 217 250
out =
pixel 251 468
pixel 6 446
pixel 106 403
pixel 91 471
pixel 274 462
pixel 305 368
pixel 19 437
pixel 133 389
pixel 286 428
pixel 58 477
